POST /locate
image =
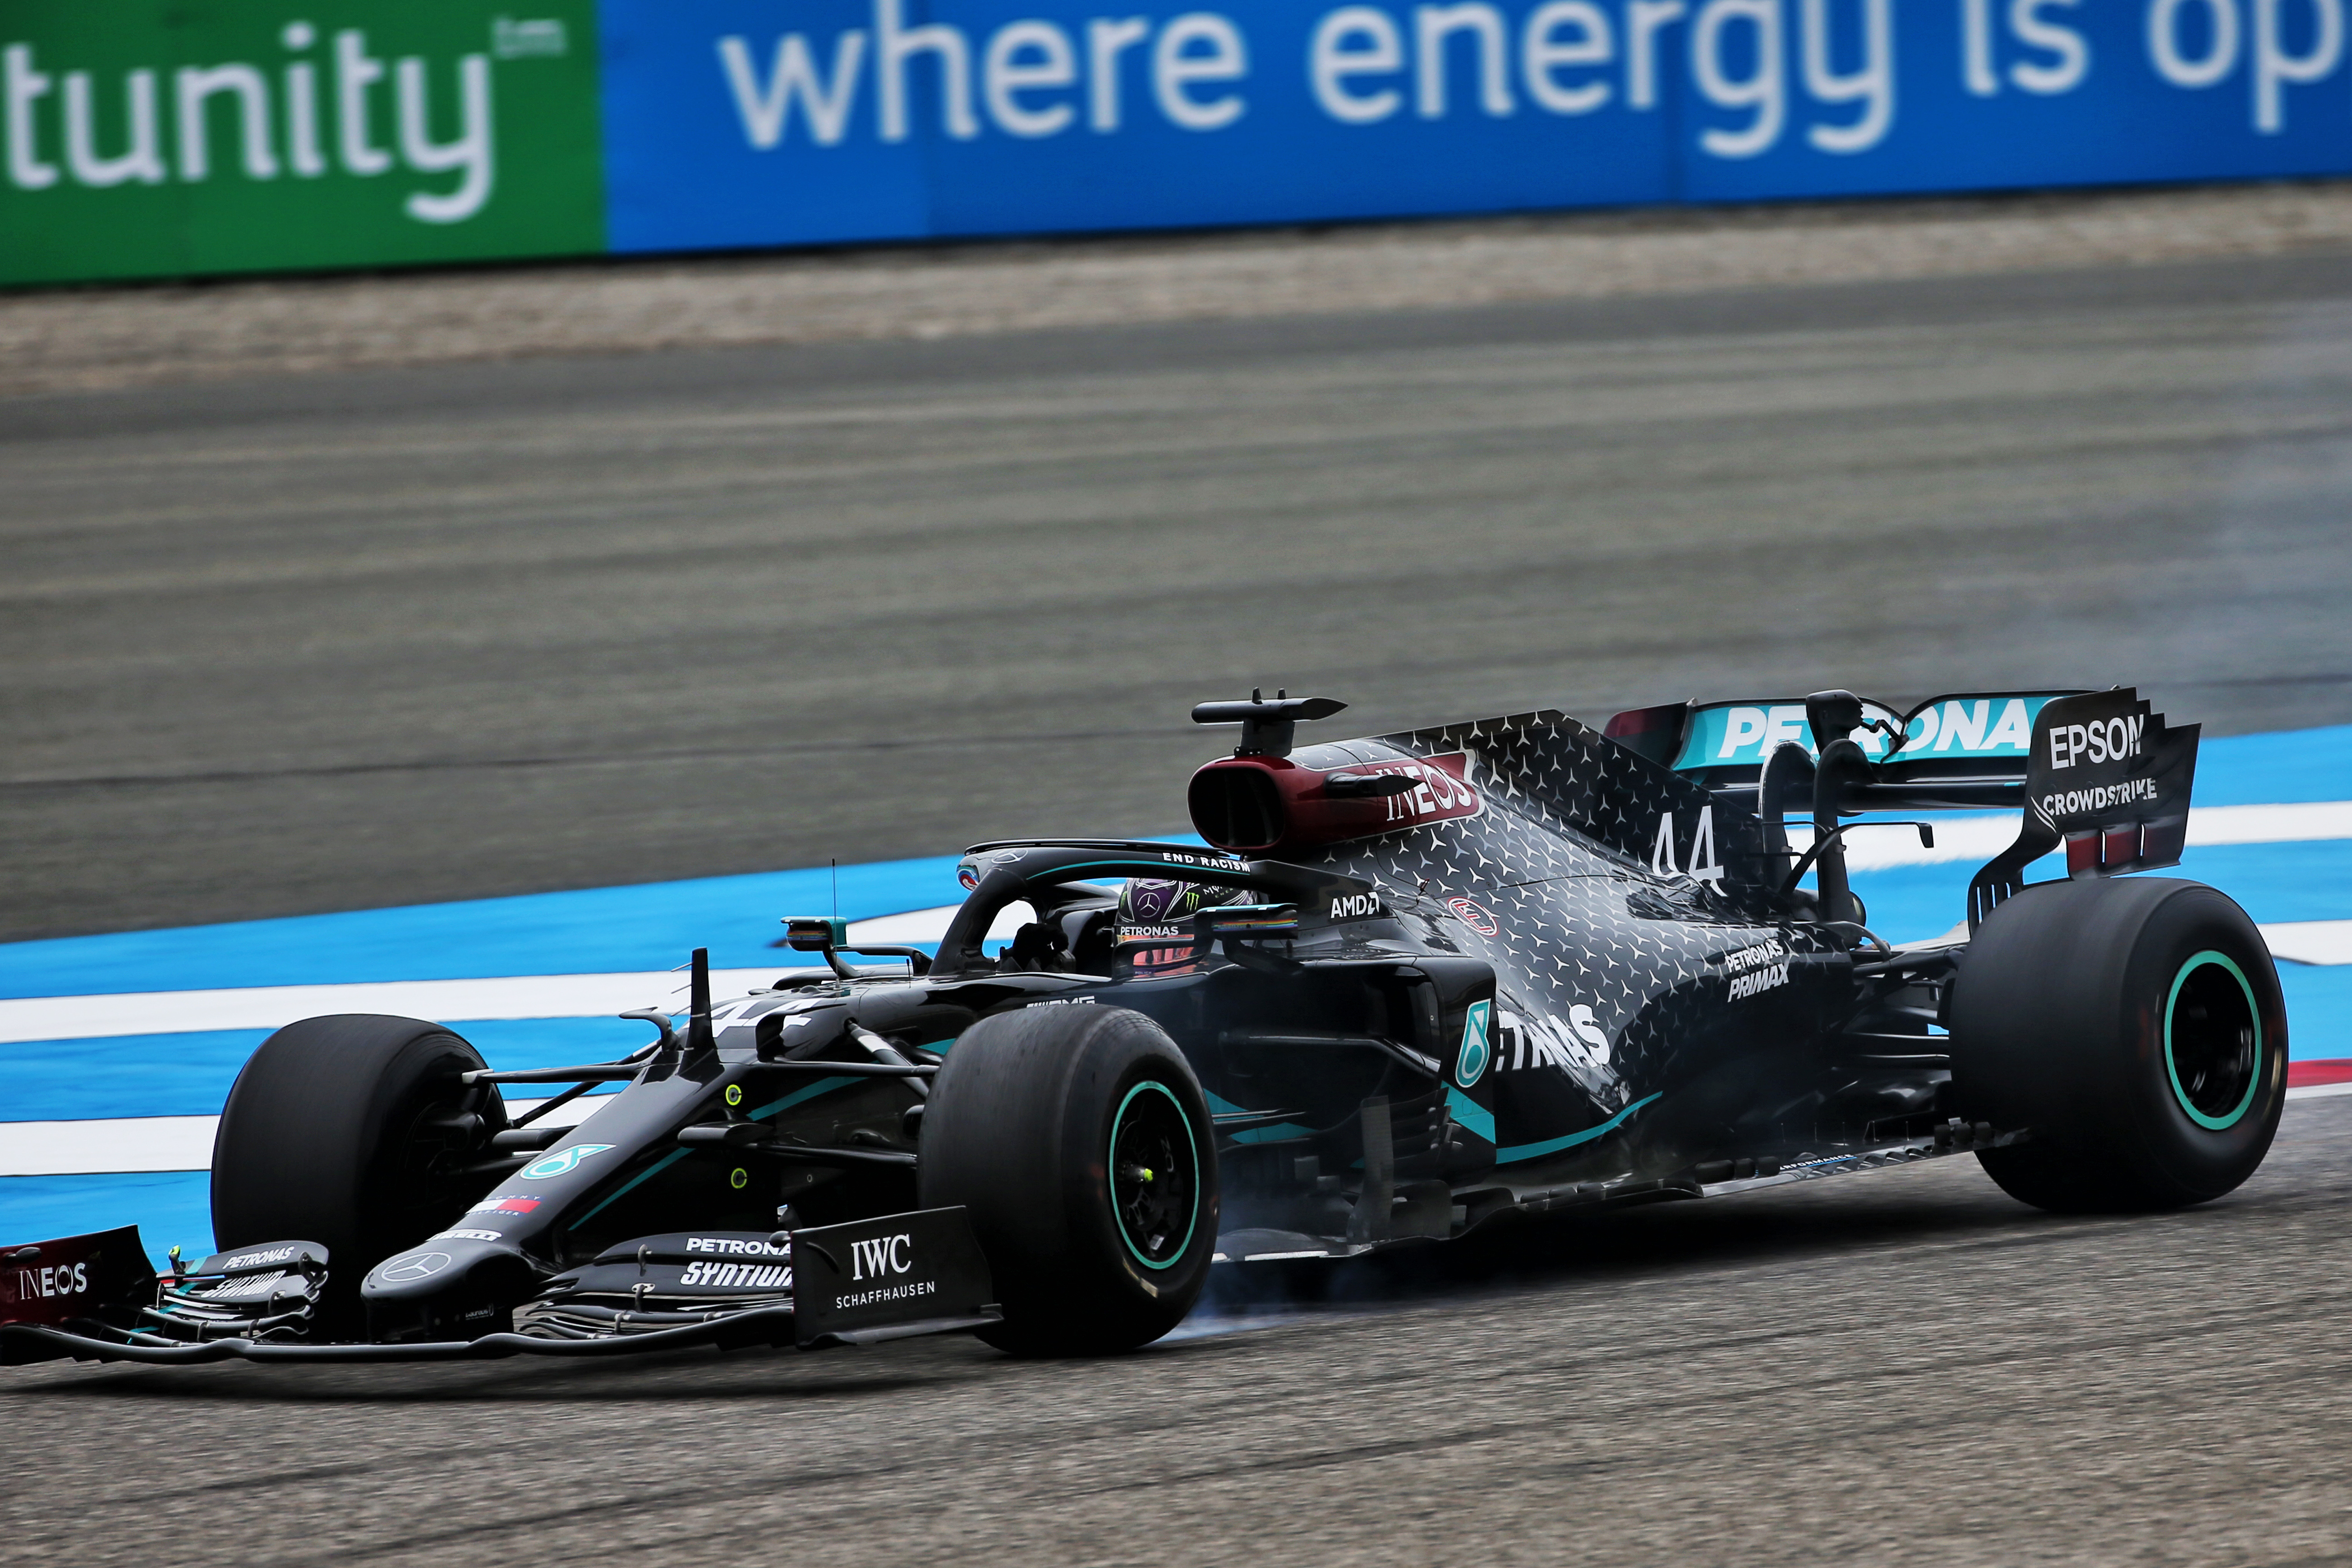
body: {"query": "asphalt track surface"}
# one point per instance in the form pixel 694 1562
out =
pixel 1903 1366
pixel 372 639
pixel 369 640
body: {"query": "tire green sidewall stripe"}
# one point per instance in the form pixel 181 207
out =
pixel 1191 1143
pixel 2254 1010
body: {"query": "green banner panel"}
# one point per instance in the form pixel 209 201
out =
pixel 160 138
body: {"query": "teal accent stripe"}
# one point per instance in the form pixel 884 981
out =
pixel 1470 1113
pixel 811 1092
pixel 1220 1106
pixel 1554 1145
pixel 675 1155
pixel 632 1184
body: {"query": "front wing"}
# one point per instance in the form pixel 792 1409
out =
pixel 865 1282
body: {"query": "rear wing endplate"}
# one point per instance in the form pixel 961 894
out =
pixel 2108 779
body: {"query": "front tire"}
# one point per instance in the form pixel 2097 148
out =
pixel 350 1130
pixel 2137 1027
pixel 1079 1143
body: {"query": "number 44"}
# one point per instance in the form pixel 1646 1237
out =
pixel 1703 864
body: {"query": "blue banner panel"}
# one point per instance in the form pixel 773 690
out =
pixel 1804 98
pixel 722 129
pixel 753 122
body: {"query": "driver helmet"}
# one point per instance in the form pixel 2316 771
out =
pixel 1155 922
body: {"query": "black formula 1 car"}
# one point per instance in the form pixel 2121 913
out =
pixel 1420 986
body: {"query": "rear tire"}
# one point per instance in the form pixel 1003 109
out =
pixel 2136 1026
pixel 347 1131
pixel 1079 1141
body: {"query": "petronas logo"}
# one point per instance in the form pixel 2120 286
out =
pixel 1471 1065
pixel 562 1160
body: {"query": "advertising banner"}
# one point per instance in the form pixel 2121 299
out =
pixel 741 122
pixel 157 137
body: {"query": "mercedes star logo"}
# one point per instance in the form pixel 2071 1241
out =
pixel 416 1266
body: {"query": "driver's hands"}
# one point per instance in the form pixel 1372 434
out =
pixel 1038 947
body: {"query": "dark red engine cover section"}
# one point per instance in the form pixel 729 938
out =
pixel 1283 805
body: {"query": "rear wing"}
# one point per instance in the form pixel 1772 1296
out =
pixel 2095 771
pixel 1970 735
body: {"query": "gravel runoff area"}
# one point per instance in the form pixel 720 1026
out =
pixel 98 338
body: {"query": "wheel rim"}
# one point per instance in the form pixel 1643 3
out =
pixel 1155 1175
pixel 2213 1041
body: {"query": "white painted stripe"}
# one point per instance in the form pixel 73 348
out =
pixel 1982 838
pixel 930 925
pixel 2298 942
pixel 515 997
pixel 267 1007
pixel 2310 941
pixel 2318 819
pixel 138 1143
pixel 124 1143
pixel 601 995
pixel 156 1143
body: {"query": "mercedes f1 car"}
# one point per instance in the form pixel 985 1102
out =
pixel 1416 986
